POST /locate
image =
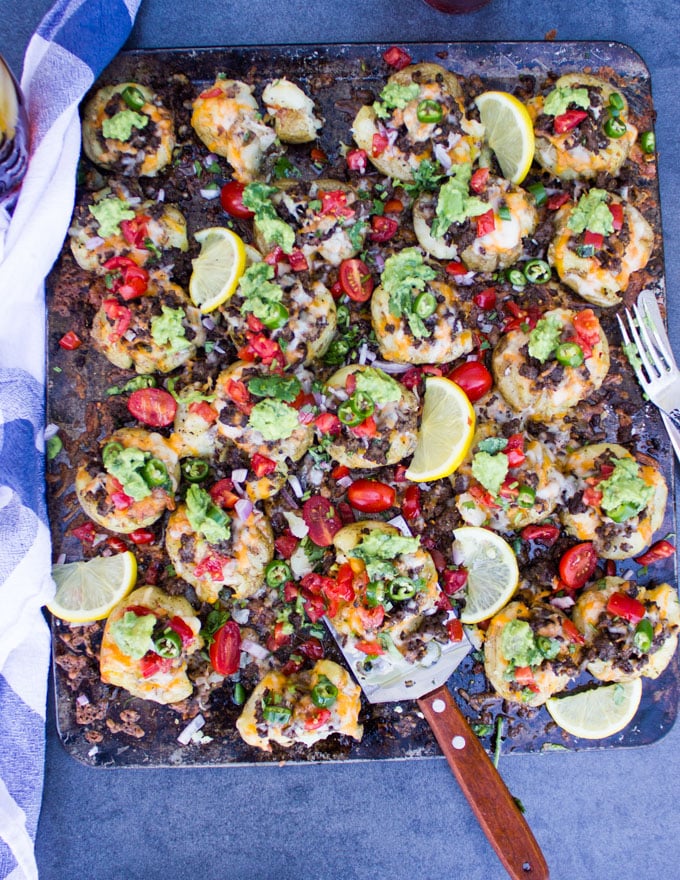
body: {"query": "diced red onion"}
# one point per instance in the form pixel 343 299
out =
pixel 239 475
pixel 295 485
pixel 208 323
pixel 442 156
pixel 241 615
pixel 130 335
pixel 82 700
pixel 255 649
pixel 366 356
pixel 243 508
pixel 316 476
pixel 400 523
pixel 93 242
pixel 192 727
pixel 345 482
pixel 51 430
pixel 562 602
pixel 98 538
pixel 390 367
pixel 210 194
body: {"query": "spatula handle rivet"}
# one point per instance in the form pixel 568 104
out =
pixel 458 742
pixel 438 706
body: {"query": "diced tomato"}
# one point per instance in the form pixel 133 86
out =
pixel 486 223
pixel 382 228
pixel 525 677
pixel 443 603
pixel 454 579
pixel 290 591
pixel 183 630
pixel 260 346
pixel 394 206
pixel 135 231
pixel 485 299
pixel 569 120
pixel 327 423
pixel 70 341
pixel 153 406
pixel 286 544
pixel 321 519
pixel 316 154
pixel 357 160
pixel 239 394
pixel 356 280
pixel 212 565
pixel 298 261
pixel 509 489
pixel 222 493
pixel 379 144
pixel 594 238
pixel 279 637
pixel 152 663
pixel 292 665
pixel 254 323
pixel 660 550
pixel 455 630
pixel 314 583
pixel 121 500
pixel 317 719
pixel 340 471
pixel 479 180
pixel 225 650
pixel 371 618
pixel 515 450
pixel 400 473
pixel 622 605
pixel 571 632
pixel 231 199
pixel 367 428
pixel 121 317
pixel 587 329
pixel 311 648
pixel 213 92
pixel 261 466
pixel 371 496
pixel 315 608
pixel 544 534
pixel 578 565
pixel 203 410
pixel 482 496
pixel 410 506
pixel 396 57
pixel 334 201
pixel 85 533
pixel 373 649
pixel 140 537
pixel 134 283
pixel 556 200
pixel 473 377
pixel 412 378
pixel 117 544
pixel 455 267
pixel 616 210
pixel 592 496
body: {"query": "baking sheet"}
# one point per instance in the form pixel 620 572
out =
pixel 133 732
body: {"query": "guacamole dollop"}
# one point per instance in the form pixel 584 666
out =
pixel 126 466
pixel 380 387
pixel 119 127
pixel 274 419
pixel 405 274
pixel 132 633
pixel 168 329
pixel 490 469
pixel 624 492
pixel 262 296
pixel 109 213
pixel 205 517
pixel 257 197
pixel 518 644
pixel 560 99
pixel 592 213
pixel 395 97
pixel 545 337
pixel 454 202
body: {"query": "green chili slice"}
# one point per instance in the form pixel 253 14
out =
pixel 168 643
pixel 569 354
pixel 504 213
pixel 110 451
pixel 537 190
pixel 647 142
pixel 375 593
pixel 644 635
pixel 276 714
pixel 362 404
pixel 586 250
pixel 537 271
pixel 516 277
pixel 526 496
pixel 429 111
pixel 425 304
pixel 347 414
pixel 155 473
pixel 194 470
pixel 616 101
pixel 324 693
pixel 275 316
pixel 133 97
pixel 614 128
pixel 401 589
pixel 238 696
pixel 277 572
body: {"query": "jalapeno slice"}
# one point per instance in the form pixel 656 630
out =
pixel 425 304
pixel 133 97
pixel 614 128
pixel 194 470
pixel 516 277
pixel 504 213
pixel 644 635
pixel 324 693
pixel 277 572
pixel 168 643
pixel 362 404
pixel 616 101
pixel 537 271
pixel 347 414
pixel 569 354
pixel 155 473
pixel 110 451
pixel 375 593
pixel 276 714
pixel 526 496
pixel 275 316
pixel 401 589
pixel 586 250
pixel 537 190
pixel 647 142
pixel 429 111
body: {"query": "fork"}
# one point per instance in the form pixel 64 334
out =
pixel 656 369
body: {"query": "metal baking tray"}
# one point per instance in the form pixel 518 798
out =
pixel 114 730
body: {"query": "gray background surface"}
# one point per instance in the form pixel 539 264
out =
pixel 597 815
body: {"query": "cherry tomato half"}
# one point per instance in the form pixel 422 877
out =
pixel 382 228
pixel 321 519
pixel 578 564
pixel 231 198
pixel 225 651
pixel 473 377
pixel 371 496
pixel 153 406
pixel 355 280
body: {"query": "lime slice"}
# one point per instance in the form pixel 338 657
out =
pixel 598 712
pixel 218 267
pixel 492 570
pixel 446 431
pixel 509 132
pixel 90 590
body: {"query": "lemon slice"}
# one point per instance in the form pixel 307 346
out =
pixel 509 133
pixel 492 570
pixel 446 431
pixel 598 712
pixel 90 590
pixel 217 269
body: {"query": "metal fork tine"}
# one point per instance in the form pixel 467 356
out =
pixel 646 345
pixel 641 349
pixel 647 301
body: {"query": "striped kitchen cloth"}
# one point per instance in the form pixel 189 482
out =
pixel 73 44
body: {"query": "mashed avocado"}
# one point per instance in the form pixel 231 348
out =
pixel 490 470
pixel 379 549
pixel 624 493
pixel 168 329
pixel 395 97
pixel 558 101
pixel 405 273
pixel 274 419
pixel 592 213
pixel 380 387
pixel 126 466
pixel 119 127
pixel 257 197
pixel 205 517
pixel 454 202
pixel 132 633
pixel 108 213
pixel 545 337
pixel 261 296
pixel 518 644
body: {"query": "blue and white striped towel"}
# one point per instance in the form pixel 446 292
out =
pixel 73 44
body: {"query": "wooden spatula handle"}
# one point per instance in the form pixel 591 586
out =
pixel 497 813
